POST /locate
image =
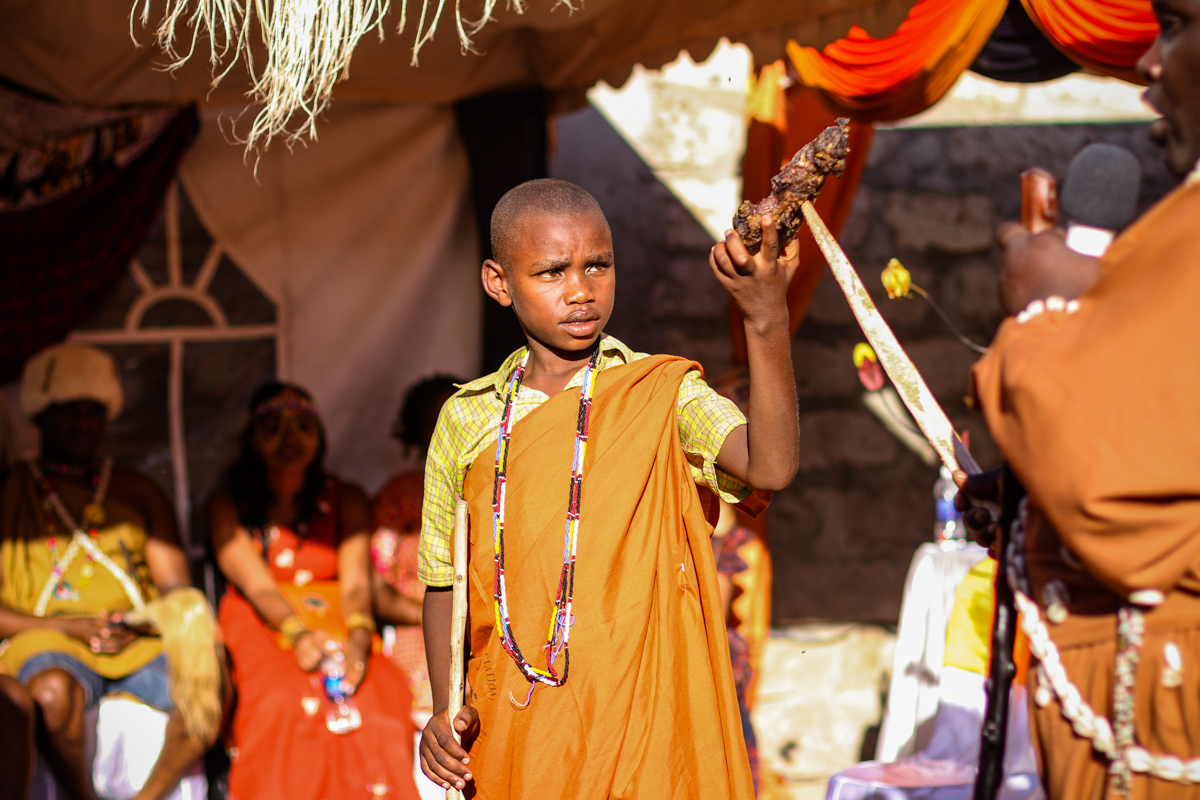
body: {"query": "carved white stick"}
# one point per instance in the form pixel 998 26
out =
pixel 911 386
pixel 458 623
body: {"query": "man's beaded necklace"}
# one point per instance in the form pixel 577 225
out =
pixel 92 518
pixel 560 623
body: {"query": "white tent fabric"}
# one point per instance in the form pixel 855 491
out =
pixel 365 242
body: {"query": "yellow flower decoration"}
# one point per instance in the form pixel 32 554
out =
pixel 863 352
pixel 896 279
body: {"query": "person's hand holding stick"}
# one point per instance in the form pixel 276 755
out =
pixel 443 758
pixel 786 209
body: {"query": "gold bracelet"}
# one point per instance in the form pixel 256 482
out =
pixel 360 620
pixel 293 628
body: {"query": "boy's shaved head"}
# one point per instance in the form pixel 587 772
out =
pixel 547 196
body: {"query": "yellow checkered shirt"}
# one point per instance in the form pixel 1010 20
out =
pixel 469 420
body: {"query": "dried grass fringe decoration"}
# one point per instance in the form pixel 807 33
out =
pixel 308 42
pixel 194 649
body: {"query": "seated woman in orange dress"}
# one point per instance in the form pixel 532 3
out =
pixel 319 715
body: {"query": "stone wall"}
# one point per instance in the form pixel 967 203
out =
pixel 843 534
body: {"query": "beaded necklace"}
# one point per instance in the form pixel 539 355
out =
pixel 92 518
pixel 77 470
pixel 560 623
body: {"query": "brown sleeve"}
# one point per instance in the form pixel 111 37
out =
pixel 1098 411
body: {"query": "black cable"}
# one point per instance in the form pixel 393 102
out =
pixel 978 348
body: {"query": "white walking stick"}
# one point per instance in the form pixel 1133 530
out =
pixel 458 624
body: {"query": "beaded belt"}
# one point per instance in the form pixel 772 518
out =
pixel 1114 740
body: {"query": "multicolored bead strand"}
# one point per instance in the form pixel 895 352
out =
pixel 56 513
pixel 560 623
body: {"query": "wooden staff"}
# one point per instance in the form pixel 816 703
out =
pixel 458 625
pixel 993 735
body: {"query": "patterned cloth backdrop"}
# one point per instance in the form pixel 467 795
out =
pixel 79 191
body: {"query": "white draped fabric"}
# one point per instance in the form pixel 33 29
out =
pixel 933 577
pixel 365 242
pixel 947 770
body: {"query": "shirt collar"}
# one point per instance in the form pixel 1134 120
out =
pixel 612 351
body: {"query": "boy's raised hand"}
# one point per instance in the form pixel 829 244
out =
pixel 443 760
pixel 764 453
pixel 757 283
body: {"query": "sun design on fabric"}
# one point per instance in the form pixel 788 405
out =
pixel 194 314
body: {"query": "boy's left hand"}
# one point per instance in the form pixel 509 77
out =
pixel 757 283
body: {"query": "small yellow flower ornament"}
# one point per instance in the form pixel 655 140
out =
pixel 896 279
pixel 863 352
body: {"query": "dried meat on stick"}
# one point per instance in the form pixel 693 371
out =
pixel 797 182
pixel 790 204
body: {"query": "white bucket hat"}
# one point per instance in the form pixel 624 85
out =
pixel 65 372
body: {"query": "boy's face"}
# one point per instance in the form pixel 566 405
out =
pixel 559 279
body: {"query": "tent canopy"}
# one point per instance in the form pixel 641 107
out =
pixel 364 242
pixel 82 52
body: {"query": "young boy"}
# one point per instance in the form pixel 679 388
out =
pixel 598 660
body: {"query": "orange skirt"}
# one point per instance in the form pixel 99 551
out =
pixel 283 752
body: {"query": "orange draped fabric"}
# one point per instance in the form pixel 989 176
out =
pixel 781 122
pixel 903 74
pixel 648 710
pixel 1107 36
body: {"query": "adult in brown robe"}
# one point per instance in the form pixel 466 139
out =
pixel 1095 409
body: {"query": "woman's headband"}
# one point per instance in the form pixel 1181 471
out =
pixel 287 400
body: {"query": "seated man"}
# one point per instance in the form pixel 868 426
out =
pixel 79 539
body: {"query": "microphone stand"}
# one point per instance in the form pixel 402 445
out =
pixel 1001 668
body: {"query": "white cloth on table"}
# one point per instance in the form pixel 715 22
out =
pixel 933 577
pixel 940 708
pixel 947 770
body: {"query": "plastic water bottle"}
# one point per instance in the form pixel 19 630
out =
pixel 342 715
pixel 947 526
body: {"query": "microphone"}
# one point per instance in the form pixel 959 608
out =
pixel 1099 197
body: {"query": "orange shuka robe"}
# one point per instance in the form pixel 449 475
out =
pixel 1098 413
pixel 648 709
